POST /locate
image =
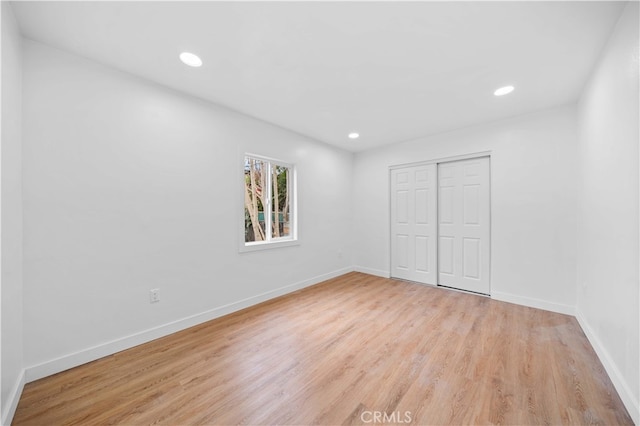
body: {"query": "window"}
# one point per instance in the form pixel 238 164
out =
pixel 269 203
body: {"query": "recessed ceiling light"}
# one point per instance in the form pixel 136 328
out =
pixel 190 59
pixel 354 135
pixel 503 91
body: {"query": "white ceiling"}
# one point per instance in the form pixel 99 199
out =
pixel 391 71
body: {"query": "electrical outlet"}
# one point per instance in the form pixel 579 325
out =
pixel 154 295
pixel 340 254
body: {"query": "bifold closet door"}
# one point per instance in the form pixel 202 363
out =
pixel 464 225
pixel 414 223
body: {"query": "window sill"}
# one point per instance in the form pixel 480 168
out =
pixel 249 247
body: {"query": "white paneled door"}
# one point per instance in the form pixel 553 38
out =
pixel 463 225
pixel 414 224
pixel 440 224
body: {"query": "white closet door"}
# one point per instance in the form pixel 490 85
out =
pixel 464 224
pixel 414 223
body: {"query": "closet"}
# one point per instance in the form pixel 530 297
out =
pixel 440 223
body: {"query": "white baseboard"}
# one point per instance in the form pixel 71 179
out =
pixel 14 398
pixel 66 362
pixel 504 297
pixel 370 271
pixel 534 303
pixel 617 378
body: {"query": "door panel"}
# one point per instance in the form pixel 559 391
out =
pixel 422 206
pixel 422 253
pixel 402 251
pixel 464 228
pixel 445 252
pixel 402 207
pixel 471 258
pixel 413 223
pixel 471 205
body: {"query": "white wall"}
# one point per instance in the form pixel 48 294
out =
pixel 130 186
pixel 127 186
pixel 533 182
pixel 607 266
pixel 11 214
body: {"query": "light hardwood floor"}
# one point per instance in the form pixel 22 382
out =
pixel 338 352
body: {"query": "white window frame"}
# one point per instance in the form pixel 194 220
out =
pixel 271 242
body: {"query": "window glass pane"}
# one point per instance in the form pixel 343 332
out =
pixel 268 203
pixel 254 202
pixel 281 200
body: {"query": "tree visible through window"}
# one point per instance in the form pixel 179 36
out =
pixel 268 200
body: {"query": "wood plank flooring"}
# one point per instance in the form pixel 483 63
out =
pixel 353 350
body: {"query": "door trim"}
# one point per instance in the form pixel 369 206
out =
pixel 439 160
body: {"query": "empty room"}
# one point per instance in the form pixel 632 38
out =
pixel 267 213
